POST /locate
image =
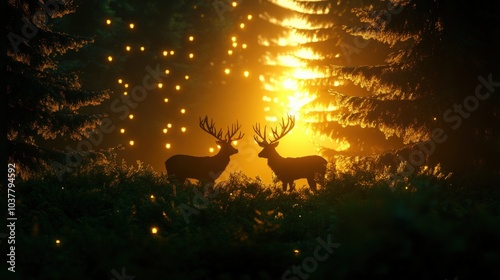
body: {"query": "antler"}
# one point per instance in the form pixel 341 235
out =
pixel 256 129
pixel 285 129
pixel 234 129
pixel 210 128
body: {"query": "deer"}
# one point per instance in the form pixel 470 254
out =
pixel 289 169
pixel 205 169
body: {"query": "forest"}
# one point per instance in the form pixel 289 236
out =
pixel 395 103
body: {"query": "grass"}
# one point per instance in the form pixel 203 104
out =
pixel 103 216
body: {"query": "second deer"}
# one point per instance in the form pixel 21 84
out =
pixel 289 169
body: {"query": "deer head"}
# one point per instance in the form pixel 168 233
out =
pixel 229 137
pixel 270 146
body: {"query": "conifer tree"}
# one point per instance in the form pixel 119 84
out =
pixel 44 103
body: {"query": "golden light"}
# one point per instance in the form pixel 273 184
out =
pixel 122 130
pixel 167 145
pixel 191 55
pixel 183 129
pixel 127 48
pixel 234 4
pixel 169 125
pixel 165 130
pixel 142 48
pixel 336 83
pixel 211 150
pixel 296 251
pixel 435 118
pixel 131 142
pixel 227 71
pixel 58 241
pixel 108 21
pixel 244 46
pixel 230 52
pixel 165 100
pixel 165 53
pixel 249 17
pixel 246 74
pixel 160 85
pixel 125 85
pixel 235 142
pixel 172 52
pixel 183 111
pixel 125 93
pixel 191 38
pixel 186 77
pixel 154 230
pixel 233 38
pixel 177 87
pixel 131 116
pixel 242 25
pixel 152 197
pixel 167 71
pixel 110 58
pixel 120 81
pixel 337 55
pixel 218 147
pixel 132 26
pixel 235 45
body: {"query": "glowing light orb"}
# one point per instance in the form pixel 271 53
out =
pixel 122 130
pixel 160 85
pixel 131 142
pixel 191 38
pixel 127 48
pixel 191 55
pixel 120 81
pixel 227 71
pixel 131 116
pixel 172 52
pixel 186 77
pixel 110 58
pixel 154 230
pixel 249 17
pixel 183 111
pixel 108 21
pixel 143 48
pixel 246 74
pixel 177 87
pixel 183 129
pixel 230 52
pixel 169 125
pixel 165 130
pixel 165 53
pixel 125 93
pixel 132 26
pixel 165 100
pixel 168 145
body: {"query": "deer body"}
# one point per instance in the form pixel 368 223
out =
pixel 209 168
pixel 205 169
pixel 290 169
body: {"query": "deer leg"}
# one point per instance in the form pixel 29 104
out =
pixel 312 183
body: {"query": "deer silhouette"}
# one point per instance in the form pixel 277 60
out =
pixel 206 169
pixel 289 169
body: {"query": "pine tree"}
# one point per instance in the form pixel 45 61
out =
pixel 44 104
pixel 432 60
